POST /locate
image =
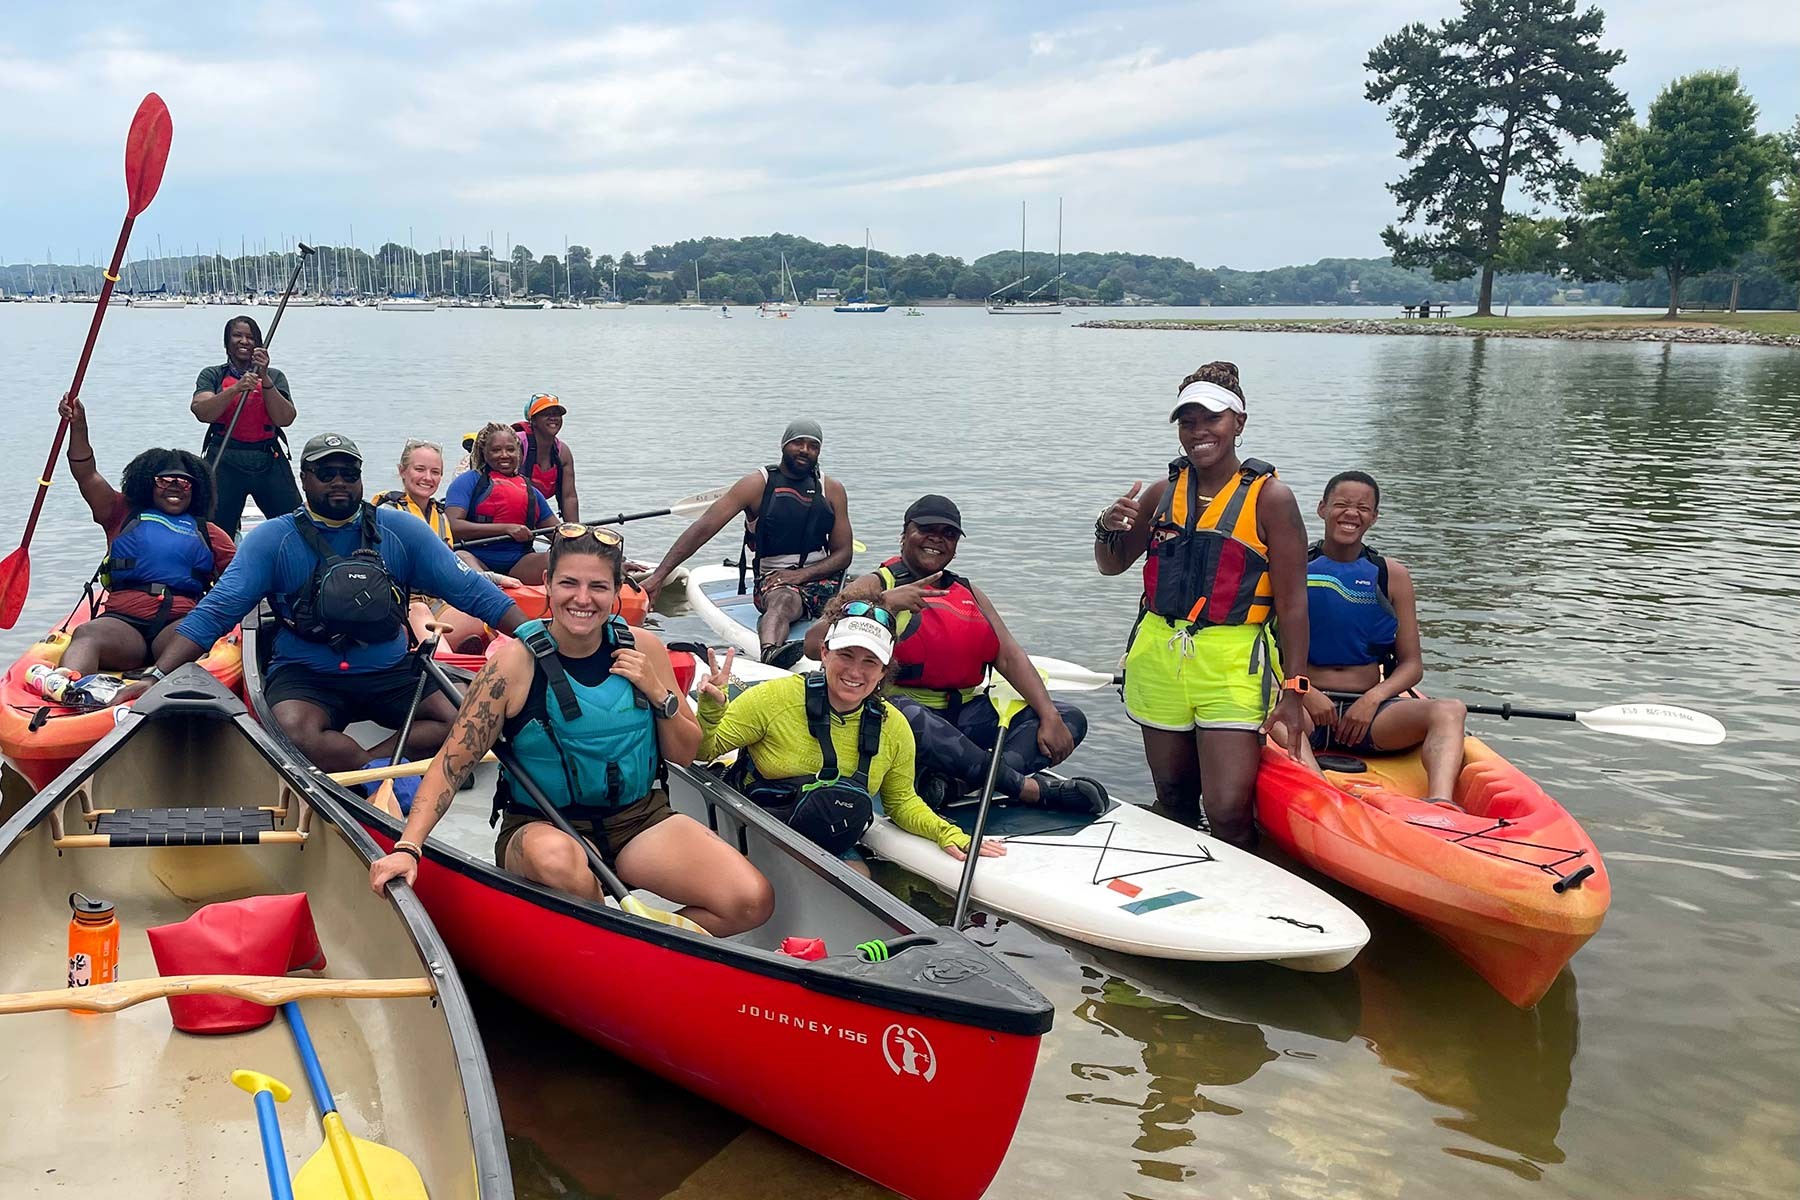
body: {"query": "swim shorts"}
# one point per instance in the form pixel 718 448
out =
pixel 1217 677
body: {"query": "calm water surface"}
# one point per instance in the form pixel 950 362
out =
pixel 1587 523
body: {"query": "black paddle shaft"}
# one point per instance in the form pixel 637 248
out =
pixel 614 886
pixel 981 816
pixel 237 409
pixel 1505 712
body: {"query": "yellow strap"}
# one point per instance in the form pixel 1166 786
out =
pixel 110 276
pixel 43 483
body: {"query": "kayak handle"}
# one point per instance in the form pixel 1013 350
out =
pixel 1572 880
pixel 878 950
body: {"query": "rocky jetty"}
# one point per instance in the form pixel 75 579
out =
pixel 1714 334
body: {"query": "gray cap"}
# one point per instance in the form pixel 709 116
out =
pixel 325 445
pixel 803 428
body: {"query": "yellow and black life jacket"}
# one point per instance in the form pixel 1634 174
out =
pixel 1207 565
pixel 434 515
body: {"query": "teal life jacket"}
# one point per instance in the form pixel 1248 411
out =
pixel 590 748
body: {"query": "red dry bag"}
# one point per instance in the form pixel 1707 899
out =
pixel 259 935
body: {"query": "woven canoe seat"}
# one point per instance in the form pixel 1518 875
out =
pixel 185 826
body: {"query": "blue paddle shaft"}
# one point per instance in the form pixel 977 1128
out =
pixel 274 1153
pixel 309 1058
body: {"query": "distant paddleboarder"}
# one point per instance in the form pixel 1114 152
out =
pixel 246 405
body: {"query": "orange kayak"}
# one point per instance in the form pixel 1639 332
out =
pixel 1512 882
pixel 634 606
pixel 41 739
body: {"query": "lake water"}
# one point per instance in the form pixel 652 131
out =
pixel 1586 522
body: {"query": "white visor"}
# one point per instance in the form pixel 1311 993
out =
pixel 1209 396
pixel 866 632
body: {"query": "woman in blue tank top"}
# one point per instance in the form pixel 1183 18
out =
pixel 591 718
pixel 1365 639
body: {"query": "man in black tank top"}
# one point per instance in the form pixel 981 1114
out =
pixel 797 538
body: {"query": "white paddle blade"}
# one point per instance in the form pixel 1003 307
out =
pixel 699 502
pixel 1656 723
pixel 1062 676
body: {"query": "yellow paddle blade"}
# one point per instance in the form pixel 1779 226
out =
pixel 1005 698
pixel 638 908
pixel 390 1174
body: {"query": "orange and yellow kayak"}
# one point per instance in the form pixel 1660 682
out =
pixel 1508 878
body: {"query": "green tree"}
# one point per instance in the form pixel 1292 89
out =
pixel 1489 98
pixel 746 290
pixel 1110 291
pixel 1783 244
pixel 1689 190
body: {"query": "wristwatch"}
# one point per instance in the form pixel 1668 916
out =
pixel 667 707
pixel 153 672
pixel 1298 684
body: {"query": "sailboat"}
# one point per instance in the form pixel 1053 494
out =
pixel 862 304
pixel 613 300
pixel 1028 305
pixel 695 305
pixel 783 289
pixel 568 300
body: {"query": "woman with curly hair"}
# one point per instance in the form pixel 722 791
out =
pixel 163 552
pixel 825 751
pixel 492 499
pixel 1223 608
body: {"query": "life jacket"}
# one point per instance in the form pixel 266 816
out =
pixel 433 515
pixel 501 500
pixel 1206 564
pixel 831 809
pixel 792 524
pixel 590 748
pixel 1349 611
pixel 350 599
pixel 161 554
pixel 252 424
pixel 951 644
pixel 547 480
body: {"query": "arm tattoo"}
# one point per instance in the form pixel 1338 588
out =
pixel 477 728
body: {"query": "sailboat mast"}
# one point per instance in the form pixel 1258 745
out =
pixel 1059 270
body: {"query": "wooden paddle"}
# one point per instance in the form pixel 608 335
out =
pixel 346 1165
pixel 404 770
pixel 263 989
pixel 1643 719
pixel 1007 704
pixel 687 506
pixel 146 153
pixel 384 797
pixel 609 881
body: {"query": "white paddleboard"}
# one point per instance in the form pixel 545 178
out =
pixel 1129 880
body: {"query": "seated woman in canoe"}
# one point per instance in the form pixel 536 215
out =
pixel 492 500
pixel 950 638
pixel 820 749
pixel 591 708
pixel 162 551
pixel 1364 637
pixel 421 470
pixel 549 464
pixel 1224 551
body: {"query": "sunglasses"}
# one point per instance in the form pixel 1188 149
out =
pixel 949 533
pixel 611 538
pixel 876 613
pixel 182 482
pixel 327 474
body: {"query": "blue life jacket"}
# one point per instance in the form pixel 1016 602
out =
pixel 591 748
pixel 159 554
pixel 1348 610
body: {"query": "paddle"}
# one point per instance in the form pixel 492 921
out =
pixel 1007 704
pixel 687 506
pixel 384 797
pixel 1648 720
pixel 237 409
pixel 268 1091
pixel 146 153
pixel 404 770
pixel 365 1169
pixel 263 989
pixel 614 886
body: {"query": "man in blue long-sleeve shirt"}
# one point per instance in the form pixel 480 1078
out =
pixel 316 686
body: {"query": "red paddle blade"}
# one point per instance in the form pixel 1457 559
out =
pixel 15 583
pixel 147 151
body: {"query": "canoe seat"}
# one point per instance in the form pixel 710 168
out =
pixel 183 827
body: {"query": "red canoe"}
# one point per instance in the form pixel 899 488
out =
pixel 1512 882
pixel 911 1071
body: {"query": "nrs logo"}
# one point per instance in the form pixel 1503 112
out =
pixel 908 1052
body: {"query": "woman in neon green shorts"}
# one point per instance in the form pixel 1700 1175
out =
pixel 1224 606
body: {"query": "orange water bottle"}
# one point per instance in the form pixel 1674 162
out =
pixel 93 941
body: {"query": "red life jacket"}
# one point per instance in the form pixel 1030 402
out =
pixel 951 644
pixel 253 424
pixel 502 500
pixel 547 480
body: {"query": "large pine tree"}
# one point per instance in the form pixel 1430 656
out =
pixel 1489 98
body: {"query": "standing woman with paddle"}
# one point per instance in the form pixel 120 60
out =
pixel 246 404
pixel 590 709
pixel 1224 607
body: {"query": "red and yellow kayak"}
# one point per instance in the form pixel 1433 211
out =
pixel 41 739
pixel 1511 881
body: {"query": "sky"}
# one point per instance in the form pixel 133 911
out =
pixel 1225 133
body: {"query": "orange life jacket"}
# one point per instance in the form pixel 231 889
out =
pixel 1207 565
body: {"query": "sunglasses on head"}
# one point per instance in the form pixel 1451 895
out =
pixel 611 538
pixel 862 608
pixel 183 482
pixel 325 474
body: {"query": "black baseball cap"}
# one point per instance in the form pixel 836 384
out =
pixel 935 510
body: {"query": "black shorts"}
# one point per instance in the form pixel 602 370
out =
pixel 379 696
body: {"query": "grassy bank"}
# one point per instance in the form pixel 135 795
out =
pixel 1752 329
pixel 1774 324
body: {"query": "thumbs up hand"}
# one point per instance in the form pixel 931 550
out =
pixel 1123 513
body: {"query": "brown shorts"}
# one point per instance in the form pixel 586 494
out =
pixel 619 828
pixel 814 596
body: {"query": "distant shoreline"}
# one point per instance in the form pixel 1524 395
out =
pixel 1776 329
